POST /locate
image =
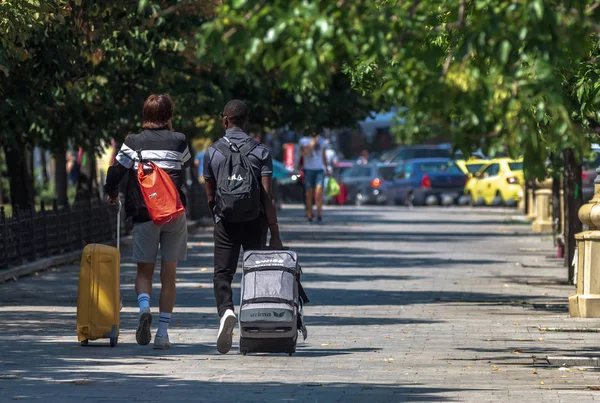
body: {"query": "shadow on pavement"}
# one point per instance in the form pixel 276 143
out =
pixel 58 371
pixel 166 388
pixel 402 237
pixel 34 323
pixel 517 353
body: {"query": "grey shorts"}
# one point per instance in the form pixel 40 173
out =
pixel 172 238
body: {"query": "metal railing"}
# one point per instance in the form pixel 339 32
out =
pixel 29 234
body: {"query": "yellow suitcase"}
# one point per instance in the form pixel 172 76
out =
pixel 99 297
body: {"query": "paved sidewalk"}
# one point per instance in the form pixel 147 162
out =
pixel 422 305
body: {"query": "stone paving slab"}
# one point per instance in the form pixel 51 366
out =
pixel 406 305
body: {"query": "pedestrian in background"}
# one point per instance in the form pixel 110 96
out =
pixel 236 228
pixel 363 158
pixel 313 151
pixel 332 161
pixel 169 151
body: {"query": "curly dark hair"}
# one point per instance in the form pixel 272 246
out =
pixel 236 111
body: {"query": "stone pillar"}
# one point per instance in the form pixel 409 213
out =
pixel 543 208
pixel 521 205
pixel 585 303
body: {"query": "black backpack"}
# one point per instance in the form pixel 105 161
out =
pixel 238 189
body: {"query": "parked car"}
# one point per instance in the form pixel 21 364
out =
pixel 363 182
pixel 286 185
pixel 405 153
pixel 425 181
pixel 588 175
pixel 499 182
pixel 471 166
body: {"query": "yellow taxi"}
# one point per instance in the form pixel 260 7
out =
pixel 499 181
pixel 471 166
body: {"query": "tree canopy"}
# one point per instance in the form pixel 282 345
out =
pixel 76 73
pixel 514 75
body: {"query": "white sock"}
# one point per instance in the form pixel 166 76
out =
pixel 143 301
pixel 163 324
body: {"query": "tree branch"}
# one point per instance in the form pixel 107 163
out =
pixel 255 10
pixel 413 10
pixel 591 8
pixel 174 8
pixel 461 24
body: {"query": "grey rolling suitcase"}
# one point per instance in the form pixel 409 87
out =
pixel 271 302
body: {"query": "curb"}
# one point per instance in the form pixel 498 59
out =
pixel 46 263
pixel 574 361
pixel 518 219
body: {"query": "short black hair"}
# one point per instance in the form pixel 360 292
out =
pixel 236 111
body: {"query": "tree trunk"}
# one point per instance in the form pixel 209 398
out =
pixel 93 163
pixel 526 196
pixel 2 198
pixel 87 186
pixel 573 202
pixel 60 177
pixel 20 176
pixel 44 168
pixel 556 209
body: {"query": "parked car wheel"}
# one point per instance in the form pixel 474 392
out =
pixel 464 200
pixel 359 199
pixel 447 200
pixel 432 200
pixel 498 200
pixel 472 201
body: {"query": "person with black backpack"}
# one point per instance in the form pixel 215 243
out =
pixel 238 172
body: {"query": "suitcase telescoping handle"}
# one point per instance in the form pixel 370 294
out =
pixel 119 207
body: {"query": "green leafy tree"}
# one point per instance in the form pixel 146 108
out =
pixel 489 73
pixel 79 77
pixel 515 76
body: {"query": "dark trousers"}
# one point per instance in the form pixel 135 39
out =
pixel 229 238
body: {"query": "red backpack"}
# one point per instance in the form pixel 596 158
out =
pixel 159 192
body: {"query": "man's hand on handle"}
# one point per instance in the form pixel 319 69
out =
pixel 113 200
pixel 276 243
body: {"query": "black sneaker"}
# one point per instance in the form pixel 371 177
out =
pixel 142 334
pixel 319 220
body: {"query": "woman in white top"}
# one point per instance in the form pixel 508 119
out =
pixel 315 168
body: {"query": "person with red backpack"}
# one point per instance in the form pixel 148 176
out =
pixel 153 161
pixel 238 172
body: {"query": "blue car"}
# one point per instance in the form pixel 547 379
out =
pixel 427 181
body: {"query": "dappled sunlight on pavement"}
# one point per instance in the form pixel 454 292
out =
pixel 406 305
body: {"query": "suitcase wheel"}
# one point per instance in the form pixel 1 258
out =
pixel 244 352
pixel 113 341
pixel 291 354
pixel 85 342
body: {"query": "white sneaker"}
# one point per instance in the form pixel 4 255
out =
pixel 224 339
pixel 161 343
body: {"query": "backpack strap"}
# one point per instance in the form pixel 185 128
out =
pixel 222 147
pixel 248 146
pixel 302 294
